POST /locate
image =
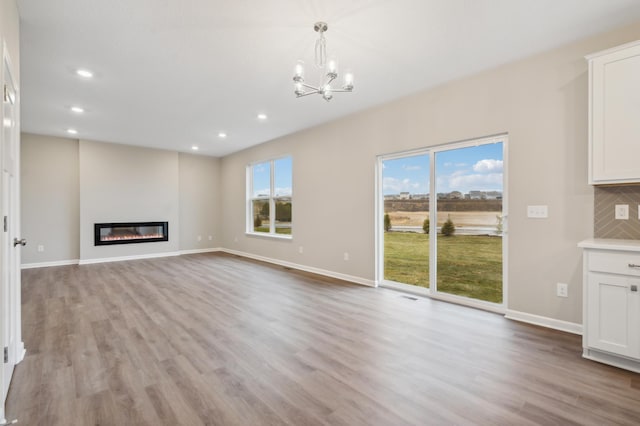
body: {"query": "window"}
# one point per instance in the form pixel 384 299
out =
pixel 269 196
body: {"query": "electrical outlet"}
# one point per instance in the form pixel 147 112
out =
pixel 622 211
pixel 40 248
pixel 199 237
pixel 300 249
pixel 346 256
pixel 210 237
pixel 562 290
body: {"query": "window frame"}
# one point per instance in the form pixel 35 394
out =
pixel 272 198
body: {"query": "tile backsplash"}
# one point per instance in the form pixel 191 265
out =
pixel 605 223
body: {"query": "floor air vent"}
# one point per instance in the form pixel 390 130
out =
pixel 409 297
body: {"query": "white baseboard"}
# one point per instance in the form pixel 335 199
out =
pixel 124 258
pixel 46 264
pixel 21 352
pixel 326 273
pixel 569 327
pixel 204 250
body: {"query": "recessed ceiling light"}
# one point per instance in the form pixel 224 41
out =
pixel 222 135
pixel 194 147
pixel 77 109
pixel 262 116
pixel 84 73
pixel 72 131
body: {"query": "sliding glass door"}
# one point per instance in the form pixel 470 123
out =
pixel 442 220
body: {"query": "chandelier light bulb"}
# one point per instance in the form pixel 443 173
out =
pixel 326 93
pixel 298 75
pixel 332 69
pixel 348 81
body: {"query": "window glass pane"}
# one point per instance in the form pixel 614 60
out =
pixel 283 177
pixel 405 185
pixel 469 184
pixel 261 180
pixel 260 209
pixel 283 216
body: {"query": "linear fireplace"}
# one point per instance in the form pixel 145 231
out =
pixel 130 232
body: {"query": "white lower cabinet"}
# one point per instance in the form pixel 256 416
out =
pixel 613 312
pixel 611 317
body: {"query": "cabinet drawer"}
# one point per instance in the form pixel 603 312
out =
pixel 624 263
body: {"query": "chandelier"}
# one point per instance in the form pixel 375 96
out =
pixel 330 67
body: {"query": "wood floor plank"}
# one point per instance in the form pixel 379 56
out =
pixel 215 339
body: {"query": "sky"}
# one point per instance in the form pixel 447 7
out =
pixel 465 169
pixel 282 178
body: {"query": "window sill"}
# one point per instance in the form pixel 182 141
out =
pixel 266 235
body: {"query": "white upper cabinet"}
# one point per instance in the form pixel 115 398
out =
pixel 614 115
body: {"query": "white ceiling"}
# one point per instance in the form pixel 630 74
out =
pixel 174 73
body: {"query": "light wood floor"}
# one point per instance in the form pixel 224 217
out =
pixel 216 339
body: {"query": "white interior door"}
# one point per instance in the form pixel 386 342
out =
pixel 10 224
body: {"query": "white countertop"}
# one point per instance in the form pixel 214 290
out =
pixel 610 244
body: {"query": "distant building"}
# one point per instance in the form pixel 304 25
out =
pixel 420 196
pixel 455 195
pixel 494 195
pixel 405 196
pixel 476 195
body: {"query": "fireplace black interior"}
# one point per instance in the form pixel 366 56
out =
pixel 130 232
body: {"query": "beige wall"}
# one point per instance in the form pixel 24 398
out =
pixel 50 198
pixel 120 183
pixel 541 102
pixel 199 194
pixel 68 185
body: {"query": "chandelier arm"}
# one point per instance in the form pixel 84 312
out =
pixel 307 94
pixel 317 89
pixel 340 90
pixel 328 81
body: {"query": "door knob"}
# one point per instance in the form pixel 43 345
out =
pixel 21 242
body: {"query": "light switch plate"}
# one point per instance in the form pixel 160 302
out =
pixel 537 212
pixel 622 211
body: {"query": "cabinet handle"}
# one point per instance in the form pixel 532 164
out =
pixel 634 287
pixel 633 265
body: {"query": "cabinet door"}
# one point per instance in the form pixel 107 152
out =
pixel 615 108
pixel 613 310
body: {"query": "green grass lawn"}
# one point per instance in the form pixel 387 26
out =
pixel 468 265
